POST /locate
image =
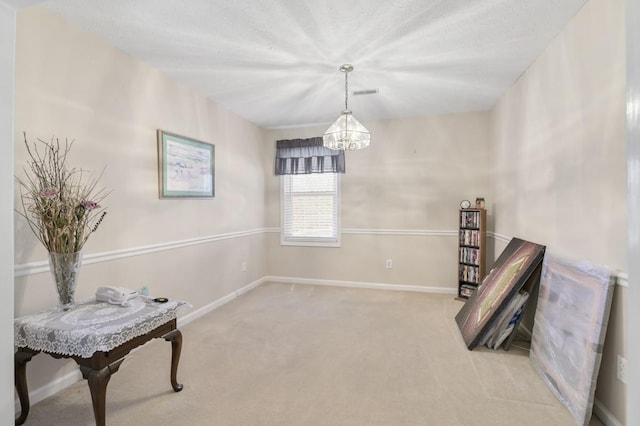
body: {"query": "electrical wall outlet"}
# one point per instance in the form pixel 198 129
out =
pixel 389 264
pixel 244 267
pixel 622 369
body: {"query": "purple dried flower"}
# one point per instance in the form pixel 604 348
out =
pixel 90 205
pixel 49 192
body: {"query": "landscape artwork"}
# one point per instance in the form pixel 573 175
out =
pixel 186 166
pixel 507 277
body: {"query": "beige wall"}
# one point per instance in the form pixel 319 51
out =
pixel 632 337
pixel 558 138
pixel 71 85
pixel 411 178
pixel 7 46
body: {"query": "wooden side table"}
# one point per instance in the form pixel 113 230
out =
pixel 101 364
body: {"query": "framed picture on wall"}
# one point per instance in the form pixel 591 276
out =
pixel 186 167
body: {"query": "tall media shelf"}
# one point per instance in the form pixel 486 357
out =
pixel 471 250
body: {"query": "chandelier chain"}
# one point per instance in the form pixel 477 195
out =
pixel 346 90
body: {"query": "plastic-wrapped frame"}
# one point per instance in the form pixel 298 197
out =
pixel 568 335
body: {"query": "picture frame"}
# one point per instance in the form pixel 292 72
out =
pixel 186 167
pixel 567 341
pixel 515 266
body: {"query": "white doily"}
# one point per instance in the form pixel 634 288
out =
pixel 92 326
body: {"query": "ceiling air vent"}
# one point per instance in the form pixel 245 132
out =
pixel 365 92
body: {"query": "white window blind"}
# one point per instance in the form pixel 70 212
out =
pixel 310 209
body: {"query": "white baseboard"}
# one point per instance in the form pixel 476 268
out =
pixel 51 388
pixel 185 319
pixel 605 415
pixel 358 284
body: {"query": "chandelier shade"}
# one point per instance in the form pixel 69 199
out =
pixel 346 133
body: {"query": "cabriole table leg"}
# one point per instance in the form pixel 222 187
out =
pixel 175 337
pixel 98 380
pixel 21 358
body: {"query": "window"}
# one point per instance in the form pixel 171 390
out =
pixel 309 209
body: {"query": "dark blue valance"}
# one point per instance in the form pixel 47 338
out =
pixel 303 156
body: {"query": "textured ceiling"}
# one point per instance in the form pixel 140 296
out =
pixel 275 62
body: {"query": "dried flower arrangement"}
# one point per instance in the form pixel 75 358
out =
pixel 61 205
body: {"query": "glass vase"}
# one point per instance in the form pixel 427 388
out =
pixel 65 268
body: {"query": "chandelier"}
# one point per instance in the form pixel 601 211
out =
pixel 346 133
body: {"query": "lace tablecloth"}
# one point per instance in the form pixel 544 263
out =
pixel 92 326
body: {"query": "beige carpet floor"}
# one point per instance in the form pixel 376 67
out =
pixel 314 355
